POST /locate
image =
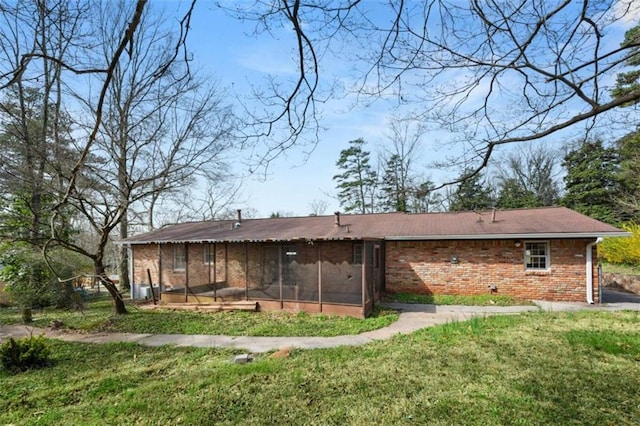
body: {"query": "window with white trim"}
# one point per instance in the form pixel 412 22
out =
pixel 209 255
pixel 179 258
pixel 358 251
pixel 536 255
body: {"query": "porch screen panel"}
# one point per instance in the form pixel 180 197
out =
pixel 264 275
pixel 341 277
pixel 369 279
pixel 299 273
pixel 306 273
pixel 173 273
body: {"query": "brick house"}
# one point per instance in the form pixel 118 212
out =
pixel 344 263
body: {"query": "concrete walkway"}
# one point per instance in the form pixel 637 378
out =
pixel 412 318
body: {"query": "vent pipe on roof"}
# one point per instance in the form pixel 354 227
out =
pixel 337 218
pixel 493 215
pixel 239 216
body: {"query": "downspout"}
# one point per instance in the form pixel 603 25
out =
pixel 590 269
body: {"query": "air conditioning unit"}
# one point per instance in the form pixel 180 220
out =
pixel 144 293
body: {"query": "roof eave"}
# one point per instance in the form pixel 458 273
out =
pixel 248 240
pixel 544 235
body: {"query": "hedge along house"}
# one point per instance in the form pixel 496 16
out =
pixel 343 264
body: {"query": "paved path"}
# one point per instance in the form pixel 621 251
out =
pixel 412 318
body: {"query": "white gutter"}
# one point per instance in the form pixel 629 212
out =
pixel 540 235
pixel 590 270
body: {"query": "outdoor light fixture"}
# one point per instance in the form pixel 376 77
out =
pixel 454 259
pixel 517 244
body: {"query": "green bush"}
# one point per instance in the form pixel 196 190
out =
pixel 622 250
pixel 24 354
pixel 32 283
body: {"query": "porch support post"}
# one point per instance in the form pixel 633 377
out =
pixel 226 262
pixel 319 276
pixel 364 274
pixel 215 272
pixel 186 272
pixel 208 262
pixel 159 269
pixel 246 271
pixel 280 247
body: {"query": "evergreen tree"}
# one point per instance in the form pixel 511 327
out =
pixel 424 199
pixel 590 183
pixel 628 82
pixel 512 195
pixel 629 176
pixel 473 193
pixel 394 193
pixel 357 183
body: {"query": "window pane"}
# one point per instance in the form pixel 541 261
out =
pixel 179 258
pixel 208 254
pixel 357 254
pixel 536 255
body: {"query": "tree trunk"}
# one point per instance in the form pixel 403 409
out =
pixel 123 266
pixel 118 301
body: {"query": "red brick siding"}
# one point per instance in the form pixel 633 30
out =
pixel 146 257
pixel 425 267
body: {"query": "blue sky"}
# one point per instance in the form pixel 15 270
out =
pixel 225 48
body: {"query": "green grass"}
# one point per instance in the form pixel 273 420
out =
pixel 621 269
pixel 530 369
pixel 478 300
pixel 97 316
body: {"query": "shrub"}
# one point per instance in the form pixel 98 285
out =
pixel 32 283
pixel 24 354
pixel 622 250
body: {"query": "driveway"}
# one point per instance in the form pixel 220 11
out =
pixel 619 296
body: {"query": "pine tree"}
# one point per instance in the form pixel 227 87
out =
pixel 629 176
pixel 473 193
pixel 591 184
pixel 394 191
pixel 628 82
pixel 356 184
pixel 512 195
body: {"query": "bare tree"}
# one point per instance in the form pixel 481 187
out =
pixel 163 130
pixel 532 170
pixel 492 72
pixel 318 207
pixel 397 158
pixel 36 140
pixel 47 41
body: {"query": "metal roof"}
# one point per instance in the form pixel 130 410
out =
pixel 544 222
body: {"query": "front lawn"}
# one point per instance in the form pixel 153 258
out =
pixel 529 369
pixel 97 316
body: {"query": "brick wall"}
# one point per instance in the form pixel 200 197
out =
pixel 147 257
pixel 425 267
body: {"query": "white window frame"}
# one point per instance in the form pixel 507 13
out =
pixel 358 253
pixel 546 256
pixel 208 254
pixel 179 257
